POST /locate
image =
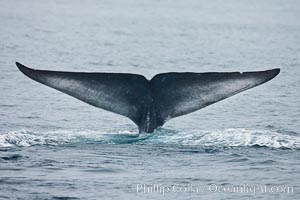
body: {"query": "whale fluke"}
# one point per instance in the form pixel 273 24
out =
pixel 118 93
pixel 149 104
pixel 189 92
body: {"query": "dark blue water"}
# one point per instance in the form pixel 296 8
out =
pixel 53 146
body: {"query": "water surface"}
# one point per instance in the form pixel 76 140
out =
pixel 53 146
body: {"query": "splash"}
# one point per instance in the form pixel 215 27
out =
pixel 25 138
pixel 233 137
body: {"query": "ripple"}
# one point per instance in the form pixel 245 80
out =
pixel 10 169
pixel 267 162
pixel 237 160
pixel 64 198
pixel 102 170
pixel 11 157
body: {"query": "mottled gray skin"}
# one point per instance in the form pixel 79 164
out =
pixel 149 104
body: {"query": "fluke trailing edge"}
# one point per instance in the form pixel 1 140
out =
pixel 149 104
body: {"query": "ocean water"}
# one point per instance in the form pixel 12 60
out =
pixel 53 146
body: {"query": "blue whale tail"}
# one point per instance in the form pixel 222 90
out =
pixel 149 104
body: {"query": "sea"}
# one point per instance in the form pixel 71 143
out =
pixel 53 146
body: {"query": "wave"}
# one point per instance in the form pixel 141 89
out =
pixel 232 137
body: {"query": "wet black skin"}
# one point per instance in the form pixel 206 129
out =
pixel 149 104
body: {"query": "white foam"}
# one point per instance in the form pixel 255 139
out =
pixel 216 138
pixel 24 138
pixel 235 137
